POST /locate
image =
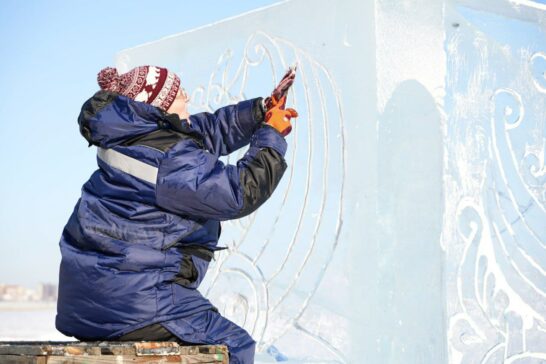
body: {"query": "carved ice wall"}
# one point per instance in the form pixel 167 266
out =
pixel 496 183
pixel 410 226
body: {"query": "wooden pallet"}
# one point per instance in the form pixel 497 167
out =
pixel 75 352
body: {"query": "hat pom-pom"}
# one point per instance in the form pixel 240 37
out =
pixel 108 79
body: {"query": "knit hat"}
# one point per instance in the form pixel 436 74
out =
pixel 153 85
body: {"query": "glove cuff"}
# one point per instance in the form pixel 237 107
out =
pixel 258 110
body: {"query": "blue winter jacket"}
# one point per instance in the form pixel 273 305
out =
pixel 141 236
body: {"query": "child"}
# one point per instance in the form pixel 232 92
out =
pixel 141 236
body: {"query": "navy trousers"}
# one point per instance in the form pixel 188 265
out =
pixel 206 327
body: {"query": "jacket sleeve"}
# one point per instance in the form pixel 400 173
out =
pixel 230 127
pixel 196 183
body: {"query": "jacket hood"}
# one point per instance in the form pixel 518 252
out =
pixel 108 119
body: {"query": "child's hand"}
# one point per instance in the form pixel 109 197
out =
pixel 279 117
pixel 282 88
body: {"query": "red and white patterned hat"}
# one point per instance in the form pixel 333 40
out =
pixel 153 85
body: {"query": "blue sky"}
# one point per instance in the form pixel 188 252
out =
pixel 51 53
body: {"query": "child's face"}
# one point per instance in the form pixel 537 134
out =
pixel 183 95
pixel 179 105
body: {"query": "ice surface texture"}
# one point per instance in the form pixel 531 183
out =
pixel 410 226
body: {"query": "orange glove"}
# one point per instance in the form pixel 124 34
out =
pixel 278 117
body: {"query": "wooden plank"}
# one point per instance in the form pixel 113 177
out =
pixel 126 359
pixel 156 348
pixel 17 359
pixel 112 359
pixel 110 352
pixel 48 348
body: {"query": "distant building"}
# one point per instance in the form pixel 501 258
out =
pixel 14 292
pixel 17 293
pixel 48 292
